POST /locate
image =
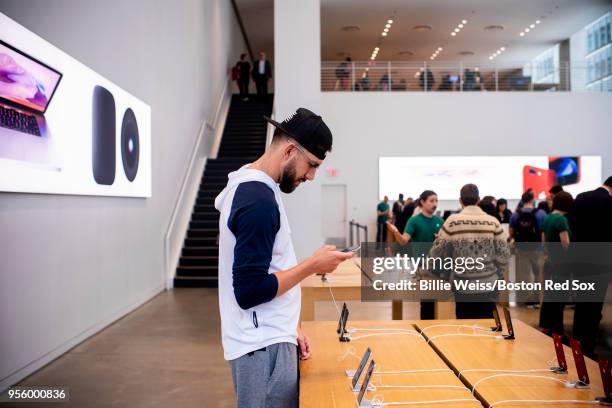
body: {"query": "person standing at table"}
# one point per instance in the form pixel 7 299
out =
pixel 591 221
pixel 556 236
pixel 473 234
pixel 382 215
pixel 259 276
pixel 421 230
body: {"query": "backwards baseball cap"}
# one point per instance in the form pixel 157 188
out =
pixel 308 130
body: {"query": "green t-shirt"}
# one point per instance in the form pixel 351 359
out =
pixel 382 206
pixel 553 226
pixel 423 230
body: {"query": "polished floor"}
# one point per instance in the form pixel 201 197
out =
pixel 168 353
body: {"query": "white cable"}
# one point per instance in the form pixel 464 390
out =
pixel 334 300
pixel 388 329
pixel 386 334
pixel 461 387
pixel 467 326
pixel 464 335
pixel 433 370
pixel 544 402
pixel 542 377
pixel 490 370
pixel 428 402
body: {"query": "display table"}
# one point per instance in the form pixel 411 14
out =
pixel 531 350
pixel 323 382
pixel 345 283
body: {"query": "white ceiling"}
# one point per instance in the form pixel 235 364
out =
pixel 559 19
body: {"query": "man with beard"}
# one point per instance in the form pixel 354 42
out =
pixel 259 292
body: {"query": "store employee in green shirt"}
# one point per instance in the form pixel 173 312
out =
pixel 421 229
pixel 382 214
pixel 556 231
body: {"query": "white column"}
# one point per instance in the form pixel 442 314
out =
pixel 297 83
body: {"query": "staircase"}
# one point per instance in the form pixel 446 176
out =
pixel 244 139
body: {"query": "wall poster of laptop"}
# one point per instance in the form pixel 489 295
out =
pixel 64 129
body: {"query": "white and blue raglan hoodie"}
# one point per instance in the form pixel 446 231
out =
pixel 254 242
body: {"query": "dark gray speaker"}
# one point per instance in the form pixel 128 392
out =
pixel 103 136
pixel 130 144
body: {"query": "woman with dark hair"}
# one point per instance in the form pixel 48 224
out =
pixel 421 229
pixel 556 235
pixel 543 205
pixel 502 212
pixel 487 204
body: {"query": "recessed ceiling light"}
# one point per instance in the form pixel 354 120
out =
pixel 389 21
pixel 386 30
pixel 384 34
pixel 463 21
pixel 457 30
pixel 490 58
pixel 439 48
pixel 526 30
pixel 372 58
pixel 453 33
pixel 522 34
pixel 538 21
pixel 460 26
pixel 376 48
pixel 387 25
pixel 422 27
pixel 503 48
pixel 350 28
pixel 532 26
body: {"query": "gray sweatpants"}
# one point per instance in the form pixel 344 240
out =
pixel 267 378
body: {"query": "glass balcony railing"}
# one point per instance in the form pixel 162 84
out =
pixel 440 76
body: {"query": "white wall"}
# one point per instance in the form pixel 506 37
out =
pixel 70 265
pixel 297 52
pixel 368 125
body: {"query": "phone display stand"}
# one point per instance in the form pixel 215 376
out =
pixel 558 370
pixel 350 372
pixel 581 385
pixel 605 400
pixel 357 387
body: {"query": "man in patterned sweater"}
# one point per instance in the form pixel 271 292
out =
pixel 473 234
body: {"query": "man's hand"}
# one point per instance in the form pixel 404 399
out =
pixel 392 227
pixel 304 345
pixel 326 259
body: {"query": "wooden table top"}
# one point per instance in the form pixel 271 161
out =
pixel 531 350
pixel 348 274
pixel 323 382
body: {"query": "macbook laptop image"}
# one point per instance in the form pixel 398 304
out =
pixel 26 89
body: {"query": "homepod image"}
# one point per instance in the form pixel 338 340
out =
pixel 130 144
pixel 103 136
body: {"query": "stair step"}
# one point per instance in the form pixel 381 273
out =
pixel 196 282
pixel 207 260
pixel 197 271
pixel 204 216
pixel 200 241
pixel 203 233
pixel 204 224
pixel 200 251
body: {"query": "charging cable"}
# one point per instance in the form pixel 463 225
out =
pixel 590 402
pixel 566 383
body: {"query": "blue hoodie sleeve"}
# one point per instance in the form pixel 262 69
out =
pixel 254 220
